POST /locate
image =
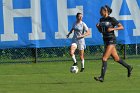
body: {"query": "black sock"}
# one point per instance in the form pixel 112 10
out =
pixel 103 70
pixel 123 63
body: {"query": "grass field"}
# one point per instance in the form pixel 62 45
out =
pixel 55 78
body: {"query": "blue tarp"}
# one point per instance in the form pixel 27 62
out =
pixel 45 23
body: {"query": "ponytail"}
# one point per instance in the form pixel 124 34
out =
pixel 108 9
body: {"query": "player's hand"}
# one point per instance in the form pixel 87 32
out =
pixel 110 29
pixel 67 36
pixel 97 25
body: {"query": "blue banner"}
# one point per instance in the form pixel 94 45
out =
pixel 45 23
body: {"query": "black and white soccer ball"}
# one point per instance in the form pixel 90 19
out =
pixel 74 69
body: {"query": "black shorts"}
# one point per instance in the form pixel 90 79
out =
pixel 109 41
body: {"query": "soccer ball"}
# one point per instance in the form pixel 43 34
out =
pixel 74 69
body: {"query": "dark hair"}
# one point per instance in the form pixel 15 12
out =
pixel 78 14
pixel 106 7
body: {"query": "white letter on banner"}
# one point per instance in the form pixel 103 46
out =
pixel 134 10
pixel 63 14
pixel 9 13
pixel 37 33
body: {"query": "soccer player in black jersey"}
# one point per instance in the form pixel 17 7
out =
pixel 106 26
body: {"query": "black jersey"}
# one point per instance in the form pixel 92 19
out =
pixel 105 23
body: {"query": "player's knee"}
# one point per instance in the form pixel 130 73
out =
pixel 116 59
pixel 104 59
pixel 81 57
pixel 71 53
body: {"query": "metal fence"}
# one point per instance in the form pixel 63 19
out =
pixel 60 54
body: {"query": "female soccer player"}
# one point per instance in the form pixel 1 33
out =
pixel 80 30
pixel 107 26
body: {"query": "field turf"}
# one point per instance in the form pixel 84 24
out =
pixel 54 77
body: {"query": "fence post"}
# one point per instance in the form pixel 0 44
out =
pixel 124 51
pixel 36 55
pixel 136 49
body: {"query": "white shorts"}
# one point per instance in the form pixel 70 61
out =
pixel 80 47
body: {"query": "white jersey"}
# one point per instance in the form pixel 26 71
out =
pixel 79 30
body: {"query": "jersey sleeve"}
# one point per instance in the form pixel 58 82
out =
pixel 100 19
pixel 115 22
pixel 85 26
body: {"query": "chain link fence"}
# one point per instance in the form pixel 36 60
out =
pixel 60 54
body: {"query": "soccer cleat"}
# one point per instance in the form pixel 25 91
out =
pixel 99 79
pixel 82 69
pixel 129 71
pixel 75 64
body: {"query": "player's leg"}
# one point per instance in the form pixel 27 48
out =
pixel 105 57
pixel 82 60
pixel 72 51
pixel 81 53
pixel 123 63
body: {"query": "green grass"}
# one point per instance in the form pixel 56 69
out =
pixel 55 78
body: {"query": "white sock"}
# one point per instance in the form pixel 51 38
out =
pixel 74 59
pixel 82 63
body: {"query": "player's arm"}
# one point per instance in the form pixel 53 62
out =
pixel 87 33
pixel 118 26
pixel 99 27
pixel 72 30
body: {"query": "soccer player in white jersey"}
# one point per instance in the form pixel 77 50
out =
pixel 80 30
